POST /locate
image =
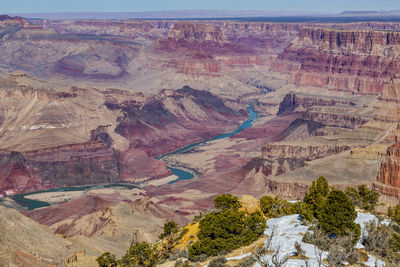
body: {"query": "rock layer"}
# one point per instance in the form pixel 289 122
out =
pixel 389 172
pixel 359 61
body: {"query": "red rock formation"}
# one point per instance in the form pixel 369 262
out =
pixel 348 60
pixel 389 172
pixel 15 177
pixel 78 164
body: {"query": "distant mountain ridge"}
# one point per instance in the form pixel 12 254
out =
pixel 371 13
pixel 203 14
pixel 171 14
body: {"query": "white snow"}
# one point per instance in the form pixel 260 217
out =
pixel 239 257
pixel 289 230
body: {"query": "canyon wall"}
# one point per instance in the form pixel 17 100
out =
pixel 389 172
pixel 87 136
pixel 308 153
pixel 359 61
pixel 116 131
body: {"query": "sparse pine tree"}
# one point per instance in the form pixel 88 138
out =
pixel 316 195
pixel 338 215
pixel 368 198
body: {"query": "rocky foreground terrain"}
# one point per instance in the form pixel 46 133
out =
pixel 96 102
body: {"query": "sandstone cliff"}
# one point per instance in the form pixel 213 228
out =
pixel 390 170
pixel 358 61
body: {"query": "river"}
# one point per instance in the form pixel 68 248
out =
pixel 182 174
pixel 32 204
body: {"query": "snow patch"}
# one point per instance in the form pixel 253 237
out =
pixel 289 230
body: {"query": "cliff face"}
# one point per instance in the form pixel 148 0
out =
pixel 345 60
pixel 196 31
pixel 389 172
pixel 354 57
pixel 292 101
pixel 326 111
pixel 117 133
pixel 388 106
pixel 101 27
pixel 199 49
pixel 308 153
pixel 79 164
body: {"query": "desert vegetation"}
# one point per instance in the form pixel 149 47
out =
pixel 328 213
pixel 226 229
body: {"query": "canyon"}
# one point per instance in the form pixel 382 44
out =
pixel 97 102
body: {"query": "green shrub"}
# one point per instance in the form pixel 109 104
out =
pixel 106 260
pixel 227 201
pixel 181 263
pixel 315 198
pixel 226 230
pixel 139 254
pixel 394 213
pixel 395 241
pixel 353 195
pixel 363 197
pixel 276 207
pixel 338 216
pixel 170 228
pixel 369 199
pixel 198 217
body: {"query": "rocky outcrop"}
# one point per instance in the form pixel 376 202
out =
pixel 302 128
pixel 388 106
pixel 324 111
pixel 359 61
pixel 196 31
pixel 308 153
pixel 292 101
pixel 389 172
pixel 87 163
pixel 79 164
pixel 335 119
pixel 15 176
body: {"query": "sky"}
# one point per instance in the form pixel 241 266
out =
pixel 331 6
